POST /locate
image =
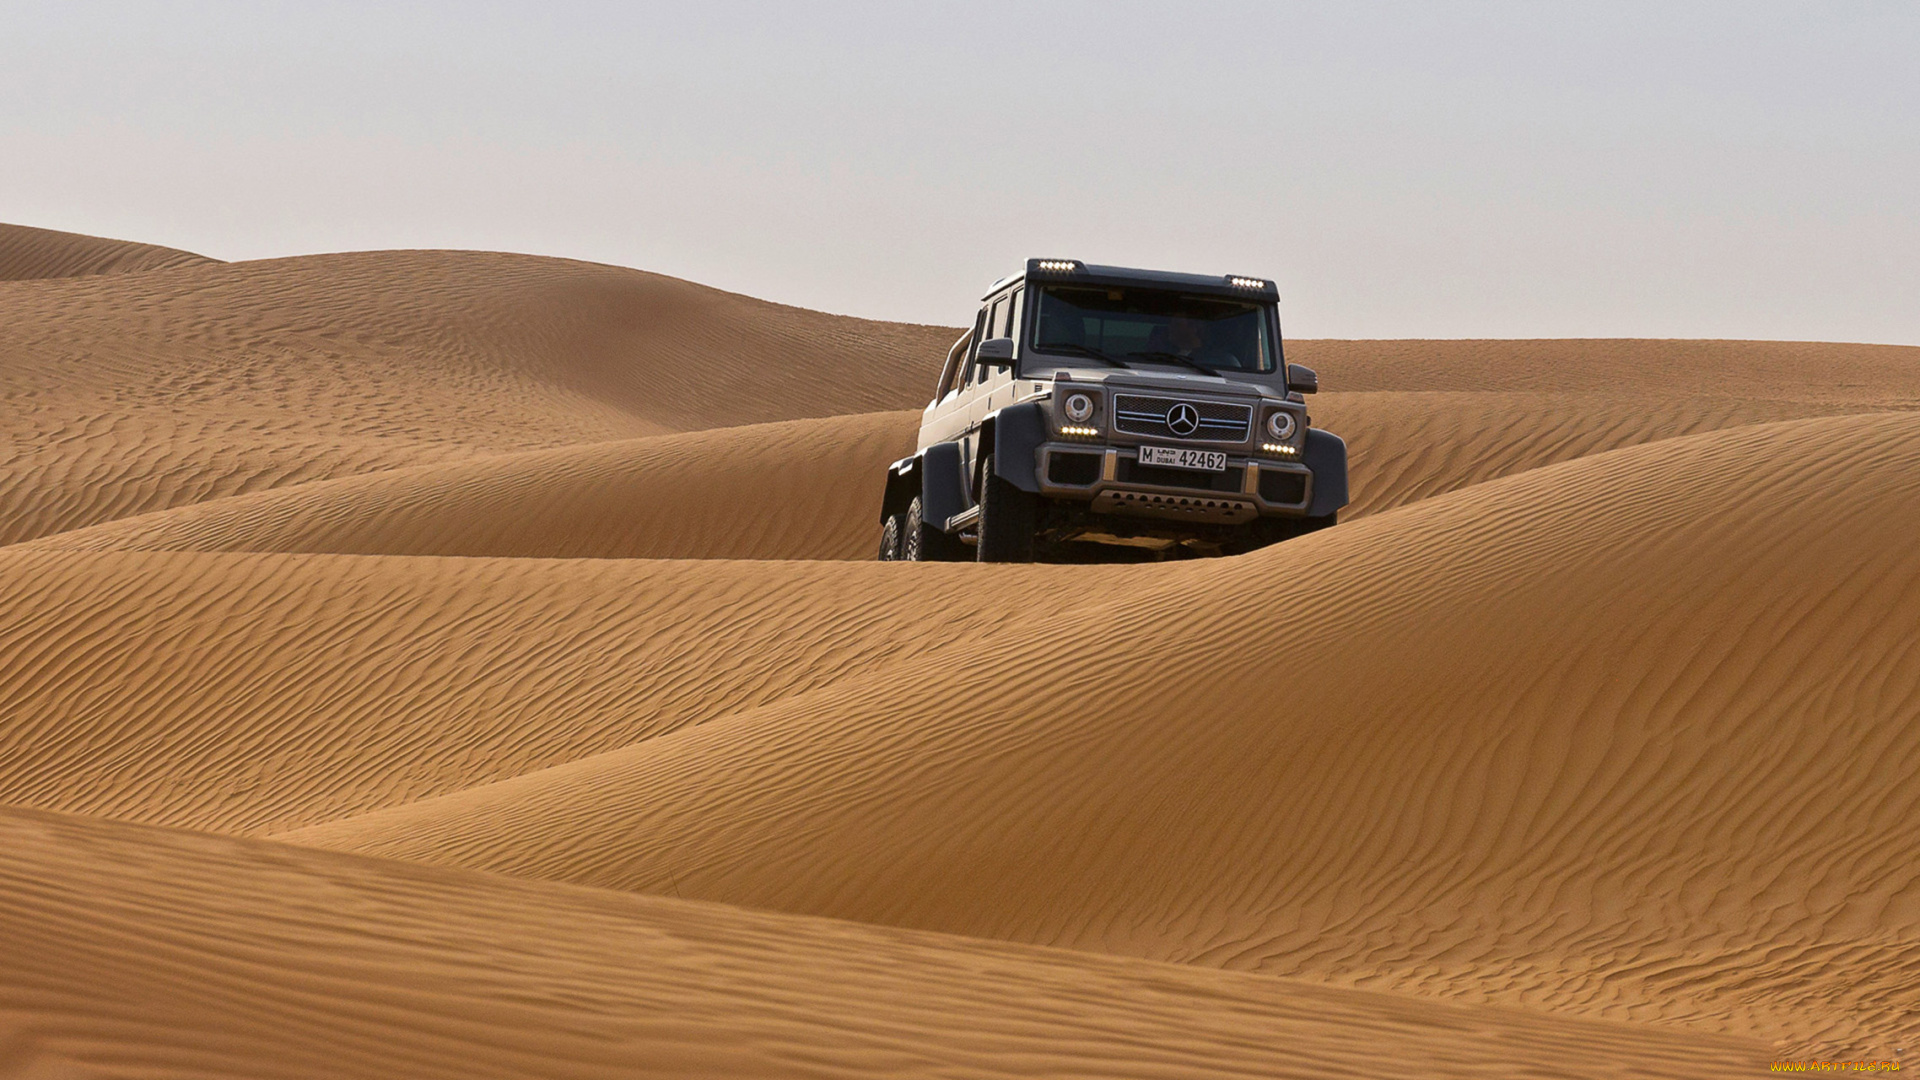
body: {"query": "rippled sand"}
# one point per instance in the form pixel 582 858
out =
pixel 467 664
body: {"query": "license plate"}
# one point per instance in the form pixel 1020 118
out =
pixel 1181 458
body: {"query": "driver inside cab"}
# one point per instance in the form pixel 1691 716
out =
pixel 1191 338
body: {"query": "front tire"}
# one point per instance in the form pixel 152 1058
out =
pixel 922 542
pixel 1008 517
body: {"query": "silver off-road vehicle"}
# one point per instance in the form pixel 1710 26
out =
pixel 1097 412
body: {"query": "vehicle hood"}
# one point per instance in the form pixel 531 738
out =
pixel 1164 382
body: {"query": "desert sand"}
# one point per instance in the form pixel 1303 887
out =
pixel 471 664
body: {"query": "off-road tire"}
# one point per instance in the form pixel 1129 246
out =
pixel 1008 517
pixel 890 531
pixel 921 542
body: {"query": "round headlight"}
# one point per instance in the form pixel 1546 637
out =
pixel 1280 426
pixel 1079 408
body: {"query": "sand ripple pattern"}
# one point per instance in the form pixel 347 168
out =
pixel 252 692
pixel 131 393
pixel 800 489
pixel 541 593
pixel 1406 446
pixel 811 489
pixel 1629 736
pixel 231 958
pixel 27 253
pixel 1643 372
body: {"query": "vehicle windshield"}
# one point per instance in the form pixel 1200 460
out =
pixel 1154 326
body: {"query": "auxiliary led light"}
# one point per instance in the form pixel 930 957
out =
pixel 1245 283
pixel 1065 266
pixel 1079 431
pixel 1280 448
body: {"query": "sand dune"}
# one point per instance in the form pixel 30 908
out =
pixel 1642 371
pixel 811 489
pixel 241 693
pixel 132 393
pixel 1622 737
pixel 1405 446
pixel 27 253
pixel 136 392
pixel 1583 746
pixel 800 489
pixel 133 951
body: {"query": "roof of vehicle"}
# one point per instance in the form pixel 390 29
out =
pixel 1076 272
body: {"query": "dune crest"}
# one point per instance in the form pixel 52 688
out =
pixel 132 393
pixel 1645 371
pixel 27 253
pixel 799 489
pixel 811 489
pixel 244 693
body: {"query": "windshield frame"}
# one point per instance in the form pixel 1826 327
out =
pixel 1043 295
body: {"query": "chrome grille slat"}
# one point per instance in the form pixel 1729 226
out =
pixel 1220 421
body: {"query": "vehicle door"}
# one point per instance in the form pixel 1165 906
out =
pixel 982 378
pixel 1000 381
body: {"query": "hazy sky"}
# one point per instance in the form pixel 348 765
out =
pixel 1421 169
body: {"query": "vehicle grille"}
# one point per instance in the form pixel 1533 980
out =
pixel 1220 421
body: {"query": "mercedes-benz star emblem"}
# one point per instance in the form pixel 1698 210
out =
pixel 1183 419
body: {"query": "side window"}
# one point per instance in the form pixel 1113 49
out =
pixel 950 371
pixel 1013 318
pixel 979 335
pixel 996 327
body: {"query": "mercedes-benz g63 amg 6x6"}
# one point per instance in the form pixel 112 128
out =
pixel 1098 411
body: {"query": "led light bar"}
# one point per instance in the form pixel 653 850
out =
pixel 1059 266
pixel 1079 430
pixel 1280 448
pixel 1246 283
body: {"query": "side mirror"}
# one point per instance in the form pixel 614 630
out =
pixel 1300 378
pixel 996 350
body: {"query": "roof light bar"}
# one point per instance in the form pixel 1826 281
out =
pixel 1059 266
pixel 1246 283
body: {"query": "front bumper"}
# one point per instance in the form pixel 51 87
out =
pixel 1113 481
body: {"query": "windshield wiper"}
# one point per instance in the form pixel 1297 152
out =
pixel 1072 349
pixel 1178 359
